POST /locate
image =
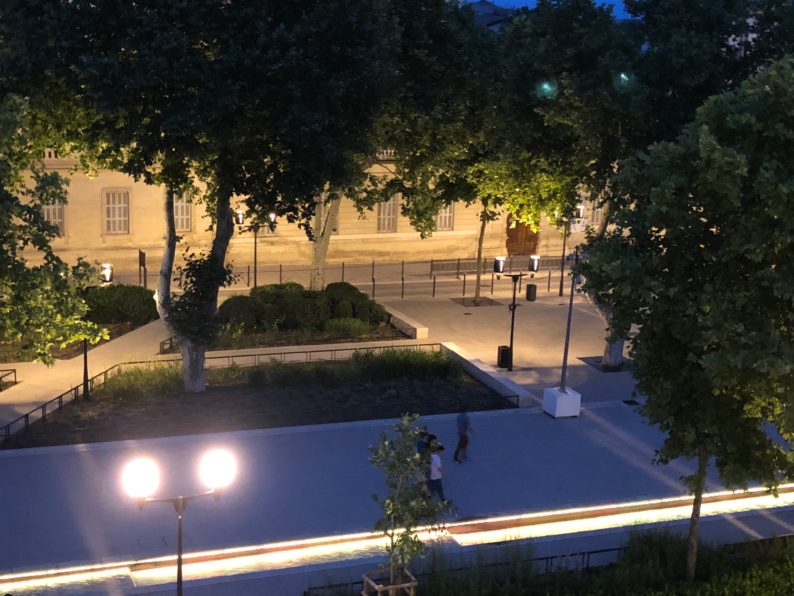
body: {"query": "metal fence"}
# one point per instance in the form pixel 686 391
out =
pixel 569 561
pixel 40 413
pixel 389 278
pixel 8 376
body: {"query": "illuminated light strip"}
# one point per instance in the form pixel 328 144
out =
pixel 616 520
pixel 577 513
pixel 495 529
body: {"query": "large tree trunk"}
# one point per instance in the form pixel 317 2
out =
pixel 193 351
pixel 694 520
pixel 163 295
pixel 480 241
pixel 327 216
pixel 193 374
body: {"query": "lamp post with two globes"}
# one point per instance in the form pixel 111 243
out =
pixel 499 267
pixel 141 478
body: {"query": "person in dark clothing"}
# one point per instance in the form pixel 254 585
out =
pixel 464 428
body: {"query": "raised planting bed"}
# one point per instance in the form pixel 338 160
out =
pixel 144 403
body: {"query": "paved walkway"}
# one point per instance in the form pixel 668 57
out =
pixel 39 383
pixel 68 506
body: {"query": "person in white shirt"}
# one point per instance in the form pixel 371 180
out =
pixel 434 483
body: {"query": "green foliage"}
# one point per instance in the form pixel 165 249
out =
pixel 40 305
pixel 121 304
pixel 239 313
pixel 691 264
pixel 148 382
pixel 347 327
pixel 343 309
pixel 398 364
pixel 192 313
pixel 404 505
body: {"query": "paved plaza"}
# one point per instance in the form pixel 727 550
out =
pixel 64 505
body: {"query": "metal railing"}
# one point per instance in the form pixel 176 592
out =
pixel 4 374
pixel 579 561
pixel 40 413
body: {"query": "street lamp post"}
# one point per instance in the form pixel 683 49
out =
pixel 499 267
pixel 141 477
pixel 239 219
pixel 578 214
pixel 568 324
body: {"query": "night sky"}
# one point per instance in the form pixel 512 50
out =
pixel 618 10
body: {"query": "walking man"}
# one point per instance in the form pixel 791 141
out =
pixel 464 428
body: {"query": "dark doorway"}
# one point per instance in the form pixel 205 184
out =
pixel 521 240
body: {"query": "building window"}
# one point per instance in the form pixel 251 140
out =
pixel 54 215
pixel 117 212
pixel 387 216
pixel 445 220
pixel 183 213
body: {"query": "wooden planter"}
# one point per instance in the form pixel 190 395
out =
pixel 378 583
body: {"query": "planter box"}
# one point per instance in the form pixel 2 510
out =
pixel 561 404
pixel 378 583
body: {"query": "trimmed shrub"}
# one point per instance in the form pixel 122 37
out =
pixel 343 309
pixel 273 292
pixel 121 304
pixel 341 290
pixel 239 311
pixel 347 327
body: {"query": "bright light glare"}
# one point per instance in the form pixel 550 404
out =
pixel 140 478
pixel 217 469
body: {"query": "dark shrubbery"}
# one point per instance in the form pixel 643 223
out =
pixel 239 311
pixel 121 304
pixel 288 307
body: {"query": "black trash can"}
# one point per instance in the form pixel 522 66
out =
pixel 532 292
pixel 504 358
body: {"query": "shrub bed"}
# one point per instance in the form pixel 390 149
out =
pixel 121 304
pixel 277 314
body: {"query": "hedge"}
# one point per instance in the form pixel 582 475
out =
pixel 121 304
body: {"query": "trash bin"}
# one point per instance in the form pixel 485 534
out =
pixel 532 292
pixel 504 358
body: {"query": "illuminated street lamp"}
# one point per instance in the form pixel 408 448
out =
pixel 140 479
pixel 506 360
pixel 578 214
pixel 239 219
pixel 106 272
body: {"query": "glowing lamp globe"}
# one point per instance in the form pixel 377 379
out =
pixel 217 469
pixel 140 478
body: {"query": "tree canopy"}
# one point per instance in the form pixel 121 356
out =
pixel 699 260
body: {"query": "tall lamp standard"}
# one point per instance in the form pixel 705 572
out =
pixel 239 219
pixel 577 214
pixel 574 275
pixel 563 401
pixel 141 477
pixel 499 267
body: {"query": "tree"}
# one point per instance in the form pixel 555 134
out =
pixel 264 101
pixel 40 306
pixel 404 507
pixel 699 260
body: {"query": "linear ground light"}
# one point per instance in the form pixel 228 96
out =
pixel 344 547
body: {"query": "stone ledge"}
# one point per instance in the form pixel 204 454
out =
pixel 490 377
pixel 411 327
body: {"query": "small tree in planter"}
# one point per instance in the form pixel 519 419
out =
pixel 404 506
